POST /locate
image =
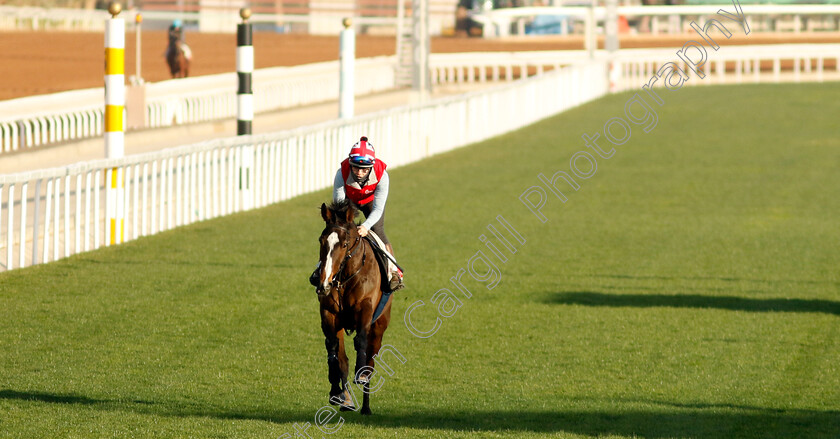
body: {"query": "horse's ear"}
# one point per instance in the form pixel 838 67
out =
pixel 351 214
pixel 326 214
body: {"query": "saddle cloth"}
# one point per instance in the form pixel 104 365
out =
pixel 385 264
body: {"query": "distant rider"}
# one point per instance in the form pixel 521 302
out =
pixel 176 32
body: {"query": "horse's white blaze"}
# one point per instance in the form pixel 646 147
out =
pixel 332 241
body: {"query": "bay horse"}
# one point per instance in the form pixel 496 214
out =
pixel 179 65
pixel 349 290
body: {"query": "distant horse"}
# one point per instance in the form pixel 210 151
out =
pixel 179 64
pixel 349 291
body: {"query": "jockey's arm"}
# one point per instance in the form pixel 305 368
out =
pixel 338 187
pixel 380 196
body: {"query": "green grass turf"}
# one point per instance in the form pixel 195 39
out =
pixel 690 289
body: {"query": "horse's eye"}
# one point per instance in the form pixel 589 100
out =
pixel 345 245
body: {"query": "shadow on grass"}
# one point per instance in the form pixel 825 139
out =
pixel 175 409
pixel 664 420
pixel 709 423
pixel 589 298
pixel 712 278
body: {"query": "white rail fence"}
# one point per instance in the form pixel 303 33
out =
pixel 738 64
pixel 753 63
pixel 54 213
pixel 24 123
pixel 670 19
pixel 73 115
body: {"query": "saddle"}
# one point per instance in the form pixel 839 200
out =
pixel 386 267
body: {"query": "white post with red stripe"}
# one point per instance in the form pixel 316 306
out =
pixel 114 122
pixel 347 57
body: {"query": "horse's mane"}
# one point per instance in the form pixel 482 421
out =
pixel 340 209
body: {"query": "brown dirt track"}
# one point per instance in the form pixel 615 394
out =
pixel 48 62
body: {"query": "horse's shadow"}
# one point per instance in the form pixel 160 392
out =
pixel 173 409
pixel 665 421
pixel 732 303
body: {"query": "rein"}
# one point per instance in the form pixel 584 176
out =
pixel 339 283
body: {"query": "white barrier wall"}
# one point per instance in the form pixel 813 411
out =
pixel 50 214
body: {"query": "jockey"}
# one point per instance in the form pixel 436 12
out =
pixel 363 179
pixel 176 32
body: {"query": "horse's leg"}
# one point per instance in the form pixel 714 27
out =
pixel 333 341
pixel 374 343
pixel 360 342
pixel 186 65
pixel 332 344
pixel 346 397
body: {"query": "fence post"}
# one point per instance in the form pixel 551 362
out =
pixel 245 103
pixel 138 30
pixel 244 68
pixel 347 57
pixel 114 120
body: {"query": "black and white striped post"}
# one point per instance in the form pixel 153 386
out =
pixel 245 105
pixel 244 68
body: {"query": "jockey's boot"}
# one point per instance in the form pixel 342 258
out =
pixel 396 280
pixel 316 275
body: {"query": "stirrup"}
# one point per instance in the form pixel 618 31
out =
pixel 396 282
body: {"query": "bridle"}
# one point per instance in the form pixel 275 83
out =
pixel 336 282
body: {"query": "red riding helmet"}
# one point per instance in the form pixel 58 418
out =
pixel 362 154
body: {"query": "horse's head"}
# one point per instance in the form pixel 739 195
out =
pixel 337 241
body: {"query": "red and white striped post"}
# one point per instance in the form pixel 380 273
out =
pixel 114 121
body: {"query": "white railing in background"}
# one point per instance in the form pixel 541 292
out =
pixel 671 19
pixel 737 64
pixel 78 114
pixel 54 213
pixel 41 120
pixel 35 18
pixel 213 97
pixel 776 63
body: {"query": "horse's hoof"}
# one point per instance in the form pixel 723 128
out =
pixel 344 401
pixel 361 380
pixel 366 411
pixel 337 399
